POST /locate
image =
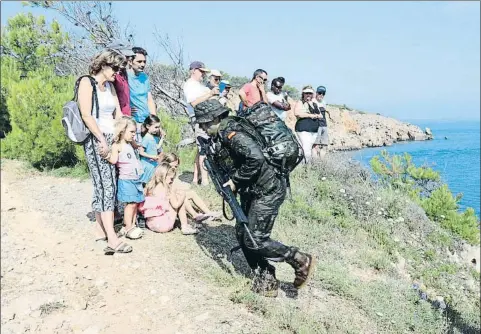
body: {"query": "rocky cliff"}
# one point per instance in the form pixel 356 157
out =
pixel 351 129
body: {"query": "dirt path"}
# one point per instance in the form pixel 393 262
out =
pixel 55 279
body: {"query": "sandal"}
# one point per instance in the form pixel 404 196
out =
pixel 121 233
pixel 201 217
pixel 121 248
pixel 188 230
pixel 214 215
pixel 134 233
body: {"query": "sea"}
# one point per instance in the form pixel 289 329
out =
pixel 454 152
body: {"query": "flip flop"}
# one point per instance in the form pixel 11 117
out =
pixel 121 248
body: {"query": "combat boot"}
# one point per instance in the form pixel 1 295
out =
pixel 265 282
pixel 303 265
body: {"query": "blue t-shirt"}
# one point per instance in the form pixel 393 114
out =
pixel 149 143
pixel 139 87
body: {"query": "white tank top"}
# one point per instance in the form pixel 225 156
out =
pixel 107 105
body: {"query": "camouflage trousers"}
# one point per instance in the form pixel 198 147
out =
pixel 261 211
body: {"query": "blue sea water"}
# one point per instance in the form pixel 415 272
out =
pixel 457 158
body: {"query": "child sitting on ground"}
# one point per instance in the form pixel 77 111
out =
pixel 129 187
pixel 162 205
pixel 205 214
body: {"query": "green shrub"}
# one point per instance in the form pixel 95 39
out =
pixel 423 185
pixel 35 107
pixel 442 206
pixel 173 126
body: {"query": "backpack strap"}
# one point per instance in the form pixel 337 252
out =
pixel 95 99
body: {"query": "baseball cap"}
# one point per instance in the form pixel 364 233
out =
pixel 215 73
pixel 226 83
pixel 198 65
pixel 122 47
pixel 308 89
pixel 321 90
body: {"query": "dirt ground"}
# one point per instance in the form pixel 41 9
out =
pixel 55 279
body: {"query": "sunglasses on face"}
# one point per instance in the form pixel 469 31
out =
pixel 216 79
pixel 263 79
pixel 115 68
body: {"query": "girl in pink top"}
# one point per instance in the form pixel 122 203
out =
pixel 163 205
pixel 129 186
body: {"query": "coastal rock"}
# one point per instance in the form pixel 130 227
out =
pixel 351 129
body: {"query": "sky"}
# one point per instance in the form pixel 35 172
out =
pixel 410 60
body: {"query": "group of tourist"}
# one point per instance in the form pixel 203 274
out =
pixel 130 170
pixel 124 154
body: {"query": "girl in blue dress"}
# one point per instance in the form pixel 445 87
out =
pixel 151 146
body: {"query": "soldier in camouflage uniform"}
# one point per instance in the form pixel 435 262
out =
pixel 262 191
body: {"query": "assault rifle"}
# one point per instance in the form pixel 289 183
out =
pixel 219 178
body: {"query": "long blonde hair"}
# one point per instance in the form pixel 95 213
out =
pixel 121 126
pixel 160 174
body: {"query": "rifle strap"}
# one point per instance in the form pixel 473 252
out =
pixel 225 212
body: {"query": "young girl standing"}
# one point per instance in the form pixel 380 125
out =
pixel 129 187
pixel 151 146
pixel 163 205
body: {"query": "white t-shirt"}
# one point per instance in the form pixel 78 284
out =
pixel 271 98
pixel 193 89
pixel 320 104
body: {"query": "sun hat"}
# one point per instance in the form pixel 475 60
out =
pixel 307 89
pixel 215 73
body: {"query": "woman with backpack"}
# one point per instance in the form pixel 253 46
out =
pixel 99 107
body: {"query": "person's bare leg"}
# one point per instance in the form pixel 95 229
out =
pixel 198 202
pixel 183 217
pixel 134 214
pixel 323 152
pixel 203 172
pixel 99 228
pixel 315 152
pixel 196 168
pixel 128 215
pixel 107 219
pixel 190 209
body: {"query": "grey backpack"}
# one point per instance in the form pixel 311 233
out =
pixel 72 121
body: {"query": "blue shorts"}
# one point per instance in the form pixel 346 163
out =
pixel 130 191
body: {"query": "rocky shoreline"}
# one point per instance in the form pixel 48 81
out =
pixel 350 129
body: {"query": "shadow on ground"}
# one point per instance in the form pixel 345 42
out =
pixel 217 241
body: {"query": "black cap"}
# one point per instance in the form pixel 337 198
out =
pixel 321 90
pixel 198 65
